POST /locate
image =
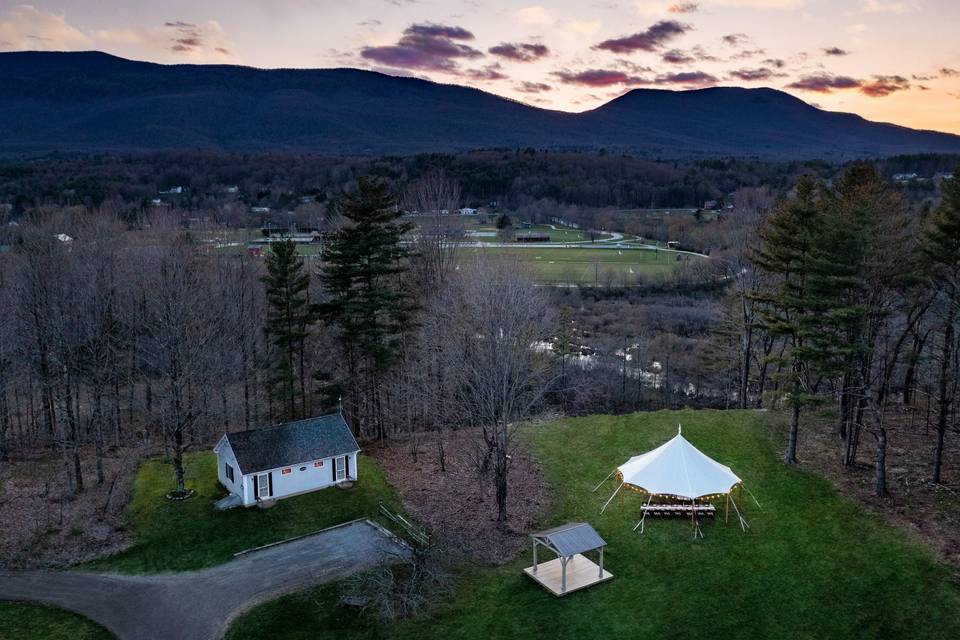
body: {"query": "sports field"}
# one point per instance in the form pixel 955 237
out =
pixel 585 265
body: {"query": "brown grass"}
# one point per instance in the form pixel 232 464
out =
pixel 45 526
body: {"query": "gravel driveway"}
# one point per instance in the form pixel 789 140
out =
pixel 199 605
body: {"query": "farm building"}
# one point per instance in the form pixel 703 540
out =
pixel 533 236
pixel 286 460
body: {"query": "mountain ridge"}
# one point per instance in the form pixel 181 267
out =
pixel 97 102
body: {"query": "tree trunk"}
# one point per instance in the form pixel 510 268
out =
pixel 178 459
pixel 881 461
pixel 945 397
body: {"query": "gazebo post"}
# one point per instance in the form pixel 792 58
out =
pixel 563 574
pixel 601 562
pixel 534 553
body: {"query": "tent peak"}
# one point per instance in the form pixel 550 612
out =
pixel 679 429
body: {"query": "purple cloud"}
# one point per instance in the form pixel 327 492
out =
pixel 650 40
pixel 519 51
pixel 754 75
pixel 186 38
pixel 488 72
pixel 677 56
pixel 425 46
pixel 947 71
pixel 689 78
pixel 684 7
pixel 533 87
pixel 835 51
pixel 736 39
pixel 431 30
pixel 824 83
pixel 882 86
pixel 597 77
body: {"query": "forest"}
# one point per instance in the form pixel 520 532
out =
pixel 830 294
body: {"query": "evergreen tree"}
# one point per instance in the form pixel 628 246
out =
pixel 287 326
pixel 942 252
pixel 788 239
pixel 863 294
pixel 363 265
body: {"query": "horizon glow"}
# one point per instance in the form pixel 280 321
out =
pixel 886 60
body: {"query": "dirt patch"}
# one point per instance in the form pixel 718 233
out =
pixel 458 503
pixel 44 526
pixel 930 511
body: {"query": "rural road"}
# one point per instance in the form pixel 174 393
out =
pixel 199 605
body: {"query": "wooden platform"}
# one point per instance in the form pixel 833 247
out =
pixel 581 573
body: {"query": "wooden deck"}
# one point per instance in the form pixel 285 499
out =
pixel 581 573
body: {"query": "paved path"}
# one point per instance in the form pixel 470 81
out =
pixel 199 605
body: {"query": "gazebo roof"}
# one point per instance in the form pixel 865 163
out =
pixel 571 538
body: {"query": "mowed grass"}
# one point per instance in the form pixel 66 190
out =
pixel 589 265
pixel 814 564
pixel 20 621
pixel 180 536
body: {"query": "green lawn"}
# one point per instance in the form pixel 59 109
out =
pixel 33 622
pixel 590 265
pixel 815 565
pixel 179 536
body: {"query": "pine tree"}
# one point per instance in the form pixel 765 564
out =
pixel 942 252
pixel 363 266
pixel 788 239
pixel 287 326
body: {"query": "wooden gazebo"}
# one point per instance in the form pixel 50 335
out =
pixel 570 570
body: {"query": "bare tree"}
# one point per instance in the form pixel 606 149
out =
pixel 436 198
pixel 499 324
pixel 180 334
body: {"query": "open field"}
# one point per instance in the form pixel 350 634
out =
pixel 808 568
pixel 588 265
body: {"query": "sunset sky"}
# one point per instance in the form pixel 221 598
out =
pixel 889 60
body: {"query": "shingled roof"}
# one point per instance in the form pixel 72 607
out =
pixel 292 443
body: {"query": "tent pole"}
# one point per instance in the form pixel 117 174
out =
pixel 752 496
pixel 604 507
pixel 743 523
pixel 726 510
pixel 644 517
pixel 604 480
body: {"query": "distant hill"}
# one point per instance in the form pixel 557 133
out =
pixel 91 101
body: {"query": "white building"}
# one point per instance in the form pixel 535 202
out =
pixel 285 460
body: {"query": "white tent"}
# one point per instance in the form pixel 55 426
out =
pixel 678 470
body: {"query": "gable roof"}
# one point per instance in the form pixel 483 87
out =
pixel 571 538
pixel 292 443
